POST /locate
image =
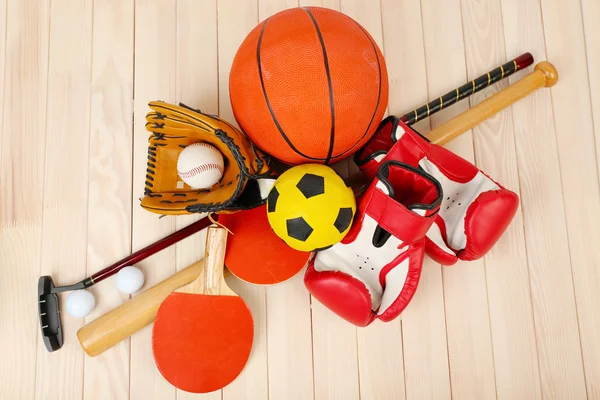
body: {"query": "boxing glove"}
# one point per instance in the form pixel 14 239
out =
pixel 374 271
pixel 475 210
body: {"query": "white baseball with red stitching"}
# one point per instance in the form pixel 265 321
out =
pixel 200 165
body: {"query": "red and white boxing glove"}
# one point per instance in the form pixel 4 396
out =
pixel 374 271
pixel 475 210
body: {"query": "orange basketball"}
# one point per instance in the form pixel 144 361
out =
pixel 309 85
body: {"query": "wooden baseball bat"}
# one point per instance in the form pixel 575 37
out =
pixel 544 75
pixel 116 325
pixel 131 316
pixel 469 88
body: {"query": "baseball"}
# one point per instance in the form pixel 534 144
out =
pixel 200 165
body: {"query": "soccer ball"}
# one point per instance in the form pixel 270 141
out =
pixel 310 207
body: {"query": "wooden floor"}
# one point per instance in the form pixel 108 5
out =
pixel 522 323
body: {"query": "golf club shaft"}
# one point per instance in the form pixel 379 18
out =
pixel 150 250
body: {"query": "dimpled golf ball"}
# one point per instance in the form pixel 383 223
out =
pixel 80 303
pixel 129 280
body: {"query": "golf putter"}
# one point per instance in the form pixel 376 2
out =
pixel 48 305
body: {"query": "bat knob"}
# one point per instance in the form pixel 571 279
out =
pixel 549 71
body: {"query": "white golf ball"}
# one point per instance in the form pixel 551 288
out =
pixel 80 303
pixel 129 280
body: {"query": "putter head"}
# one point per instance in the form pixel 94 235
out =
pixel 49 314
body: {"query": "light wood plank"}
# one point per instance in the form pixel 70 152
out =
pixel 289 335
pixel 197 87
pixel 367 15
pixel 266 8
pixel 290 358
pixel 236 20
pixel 405 57
pixel 590 11
pixel 155 79
pixel 380 361
pixel 3 62
pixel 197 71
pixel 423 323
pixel 381 368
pixel 542 278
pixel 467 314
pixel 565 46
pixel 3 23
pixel 110 183
pixel 426 368
pixel 333 4
pixel 65 201
pixel 511 315
pixel 21 175
pixel 335 364
pixel 588 292
pixel 546 238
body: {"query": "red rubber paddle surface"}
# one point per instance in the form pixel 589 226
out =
pixel 201 343
pixel 255 254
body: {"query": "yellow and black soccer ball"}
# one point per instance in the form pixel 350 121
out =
pixel 310 207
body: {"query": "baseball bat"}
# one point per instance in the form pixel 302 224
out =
pixel 131 316
pixel 544 75
pixel 118 324
pixel 469 88
pixel 48 304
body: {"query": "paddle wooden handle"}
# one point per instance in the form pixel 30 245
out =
pixel 544 75
pixel 211 281
pixel 120 323
pixel 216 242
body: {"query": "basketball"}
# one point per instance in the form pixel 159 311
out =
pixel 309 85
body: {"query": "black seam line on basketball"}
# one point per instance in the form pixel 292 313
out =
pixel 329 83
pixel 264 90
pixel 378 94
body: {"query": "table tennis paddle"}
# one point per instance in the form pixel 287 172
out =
pixel 203 332
pixel 254 253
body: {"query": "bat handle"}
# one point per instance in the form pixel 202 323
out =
pixel 118 324
pixel 544 75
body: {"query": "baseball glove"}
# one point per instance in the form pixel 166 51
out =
pixel 247 176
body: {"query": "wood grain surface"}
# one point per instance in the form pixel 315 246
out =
pixel 155 77
pixel 513 350
pixel 522 323
pixel 110 178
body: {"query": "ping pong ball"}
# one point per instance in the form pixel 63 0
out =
pixel 129 280
pixel 80 303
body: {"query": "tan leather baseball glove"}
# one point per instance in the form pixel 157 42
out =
pixel 247 176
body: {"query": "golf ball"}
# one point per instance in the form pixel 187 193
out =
pixel 80 303
pixel 129 280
